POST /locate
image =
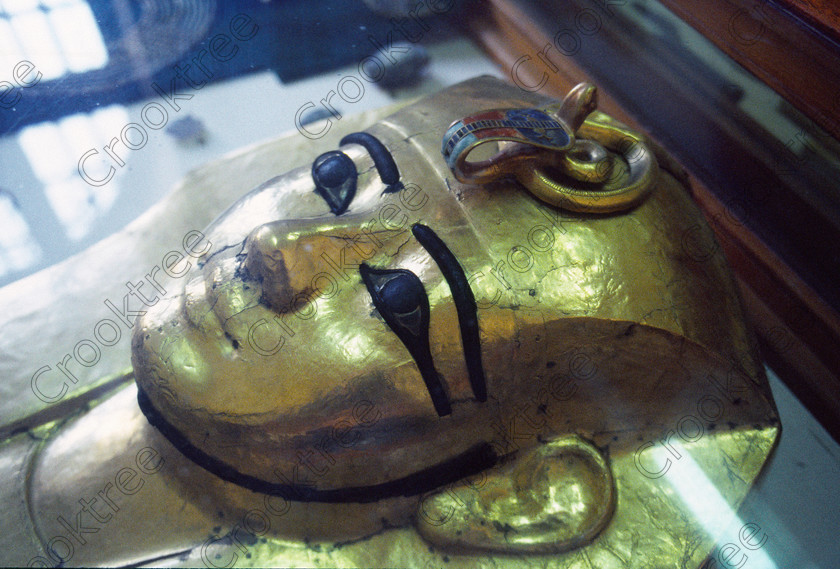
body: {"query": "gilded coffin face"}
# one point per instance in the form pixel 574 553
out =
pixel 367 326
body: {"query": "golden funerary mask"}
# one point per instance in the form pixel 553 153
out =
pixel 488 329
pixel 474 325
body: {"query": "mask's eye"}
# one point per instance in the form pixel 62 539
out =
pixel 400 298
pixel 334 174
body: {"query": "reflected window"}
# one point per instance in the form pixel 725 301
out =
pixel 58 36
pixel 53 150
pixel 18 250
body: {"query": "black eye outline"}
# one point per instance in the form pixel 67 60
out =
pixel 334 174
pixel 402 301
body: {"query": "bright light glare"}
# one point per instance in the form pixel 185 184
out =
pixel 13 7
pixel 707 504
pixel 61 38
pixel 54 149
pixel 17 248
pixel 10 52
pixel 109 121
pixel 79 36
pixel 39 46
pixel 79 133
pixel 78 206
pixel 57 3
pixel 45 149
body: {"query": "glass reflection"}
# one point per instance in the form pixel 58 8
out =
pixel 53 148
pixel 58 36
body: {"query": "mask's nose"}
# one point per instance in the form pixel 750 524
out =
pixel 285 256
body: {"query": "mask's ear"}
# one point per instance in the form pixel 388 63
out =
pixel 549 499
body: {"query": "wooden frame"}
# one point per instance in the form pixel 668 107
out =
pixel 795 58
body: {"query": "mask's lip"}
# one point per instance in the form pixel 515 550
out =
pixel 477 458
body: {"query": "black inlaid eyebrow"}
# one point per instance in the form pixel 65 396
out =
pixel 382 159
pixel 464 304
pixel 402 301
